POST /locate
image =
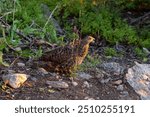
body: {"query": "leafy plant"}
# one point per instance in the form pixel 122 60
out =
pixel 110 52
pixel 140 53
pixel 1 60
pixel 90 62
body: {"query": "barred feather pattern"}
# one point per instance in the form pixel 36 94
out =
pixel 66 58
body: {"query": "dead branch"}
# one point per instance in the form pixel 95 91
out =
pixel 141 19
pixel 32 40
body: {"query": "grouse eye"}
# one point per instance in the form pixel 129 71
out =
pixel 91 39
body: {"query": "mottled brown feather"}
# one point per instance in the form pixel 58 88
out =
pixel 66 58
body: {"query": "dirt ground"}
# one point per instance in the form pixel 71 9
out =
pixel 35 88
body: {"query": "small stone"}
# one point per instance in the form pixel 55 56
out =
pixel 18 49
pixel 86 84
pixel 34 79
pixel 100 75
pixel 84 76
pixel 41 89
pixel 103 81
pixel 11 71
pixel 118 82
pixel 53 74
pixel 20 64
pixel 57 84
pixel 120 88
pixel 74 83
pixel 124 93
pixel 51 91
pixel 57 77
pixel 88 98
pixel 42 71
pixel 15 80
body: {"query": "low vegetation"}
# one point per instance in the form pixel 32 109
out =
pixel 103 19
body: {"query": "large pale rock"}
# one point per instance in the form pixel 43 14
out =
pixel 139 78
pixel 15 80
pixel 114 67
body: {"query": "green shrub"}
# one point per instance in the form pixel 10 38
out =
pixel 140 52
pixel 89 62
pixel 98 19
pixel 110 52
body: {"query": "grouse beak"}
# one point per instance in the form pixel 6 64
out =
pixel 91 39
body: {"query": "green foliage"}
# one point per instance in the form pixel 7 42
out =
pixel 110 52
pixel 26 16
pixel 144 35
pixel 28 53
pixel 146 43
pixel 109 25
pixel 131 4
pixel 94 19
pixel 3 43
pixel 2 63
pixel 90 62
pixel 140 53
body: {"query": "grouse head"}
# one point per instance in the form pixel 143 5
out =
pixel 88 40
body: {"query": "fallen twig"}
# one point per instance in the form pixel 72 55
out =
pixel 140 19
pixel 42 42
pixel 17 31
pixel 14 62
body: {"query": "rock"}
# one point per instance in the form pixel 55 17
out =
pixel 18 49
pixel 139 78
pixel 124 94
pixel 53 74
pixel 41 89
pixel 57 77
pixel 74 83
pixel 120 88
pixel 112 67
pixel 34 79
pixel 88 98
pixel 57 84
pixel 42 71
pixel 84 76
pixel 103 81
pixel 86 84
pixel 117 82
pixel 99 76
pixel 15 80
pixel 98 73
pixel 20 64
pixel 11 71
